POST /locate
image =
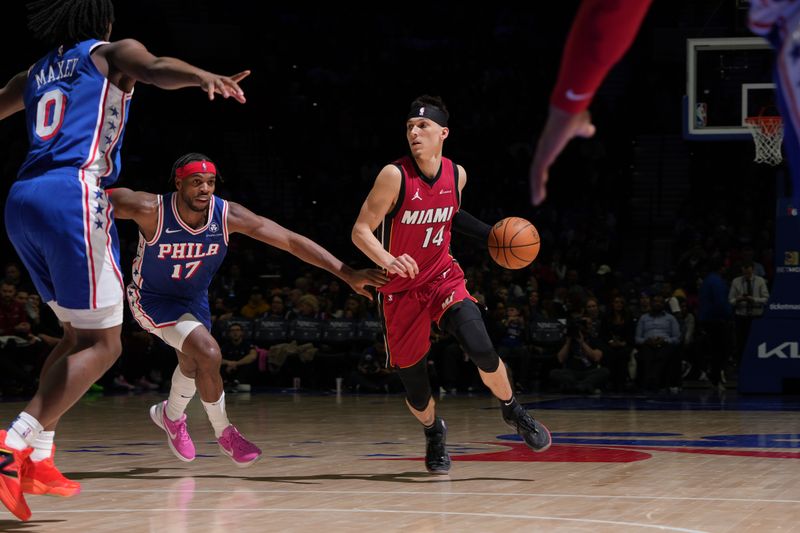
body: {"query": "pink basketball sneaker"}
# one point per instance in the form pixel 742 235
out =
pixel 177 436
pixel 241 451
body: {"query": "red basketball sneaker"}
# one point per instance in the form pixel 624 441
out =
pixel 43 477
pixel 10 489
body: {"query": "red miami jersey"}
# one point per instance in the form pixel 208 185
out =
pixel 419 224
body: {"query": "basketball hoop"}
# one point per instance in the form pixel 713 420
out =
pixel 768 136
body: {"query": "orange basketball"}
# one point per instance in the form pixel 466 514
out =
pixel 513 243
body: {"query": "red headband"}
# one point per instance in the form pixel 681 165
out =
pixel 195 167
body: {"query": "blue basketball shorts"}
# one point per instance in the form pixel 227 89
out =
pixel 63 230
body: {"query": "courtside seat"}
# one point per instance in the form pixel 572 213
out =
pixel 269 331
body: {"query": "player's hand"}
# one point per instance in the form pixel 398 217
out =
pixel 359 279
pixel 227 86
pixel 560 128
pixel 404 266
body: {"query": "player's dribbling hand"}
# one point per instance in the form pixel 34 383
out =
pixel 227 86
pixel 368 276
pixel 561 127
pixel 404 266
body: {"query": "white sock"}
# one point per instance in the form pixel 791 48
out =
pixel 180 394
pixel 217 415
pixel 43 446
pixel 23 431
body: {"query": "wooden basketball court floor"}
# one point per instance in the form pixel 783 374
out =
pixel 353 464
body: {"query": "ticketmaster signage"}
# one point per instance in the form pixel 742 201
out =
pixel 772 354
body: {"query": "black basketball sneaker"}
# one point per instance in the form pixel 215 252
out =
pixel 437 460
pixel 534 433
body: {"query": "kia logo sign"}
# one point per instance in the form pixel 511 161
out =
pixel 787 350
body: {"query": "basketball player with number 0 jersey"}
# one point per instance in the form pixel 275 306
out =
pixel 183 238
pixel 76 100
pixel 413 205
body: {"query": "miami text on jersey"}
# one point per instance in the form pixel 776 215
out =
pixel 427 216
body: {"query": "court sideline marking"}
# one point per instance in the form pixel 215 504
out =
pixel 383 511
pixel 439 493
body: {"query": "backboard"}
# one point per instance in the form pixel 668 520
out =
pixel 727 80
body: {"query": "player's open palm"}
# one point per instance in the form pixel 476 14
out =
pixel 368 276
pixel 227 86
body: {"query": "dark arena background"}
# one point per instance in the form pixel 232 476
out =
pixel 704 437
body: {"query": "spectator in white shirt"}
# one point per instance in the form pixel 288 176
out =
pixel 747 296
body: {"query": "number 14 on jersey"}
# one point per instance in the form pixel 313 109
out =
pixel 437 239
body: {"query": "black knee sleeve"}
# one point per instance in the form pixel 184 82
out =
pixel 417 385
pixel 464 322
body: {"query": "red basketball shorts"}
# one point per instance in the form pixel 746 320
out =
pixel 408 315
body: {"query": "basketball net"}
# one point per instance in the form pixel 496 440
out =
pixel 768 135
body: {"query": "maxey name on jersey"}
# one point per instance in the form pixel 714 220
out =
pixel 63 69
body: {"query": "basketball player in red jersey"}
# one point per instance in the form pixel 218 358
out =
pixel 601 34
pixel 413 204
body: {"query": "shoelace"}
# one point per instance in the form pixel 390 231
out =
pixel 183 435
pixel 240 443
pixel 525 420
pixel 180 428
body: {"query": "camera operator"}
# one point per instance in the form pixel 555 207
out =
pixel 579 358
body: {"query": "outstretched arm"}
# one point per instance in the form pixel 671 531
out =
pixel 242 220
pixel 601 34
pixel 11 95
pixel 379 202
pixel 132 59
pixel 141 207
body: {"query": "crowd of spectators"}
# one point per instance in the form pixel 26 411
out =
pixel 567 323
pixel 322 120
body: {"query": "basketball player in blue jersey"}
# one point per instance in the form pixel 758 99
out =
pixel 76 100
pixel 779 22
pixel 183 237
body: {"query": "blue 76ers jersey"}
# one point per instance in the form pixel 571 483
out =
pixel 173 270
pixel 75 117
pixel 778 21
